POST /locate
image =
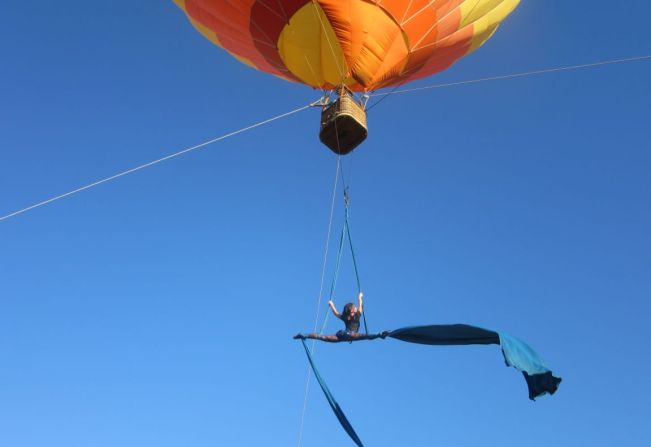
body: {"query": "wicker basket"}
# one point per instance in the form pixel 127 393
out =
pixel 343 124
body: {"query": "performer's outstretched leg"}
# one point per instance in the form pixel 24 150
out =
pixel 313 336
pixel 358 336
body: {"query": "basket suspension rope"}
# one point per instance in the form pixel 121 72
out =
pixel 345 233
pixel 341 244
pixel 346 229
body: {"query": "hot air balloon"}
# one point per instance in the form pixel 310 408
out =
pixel 347 45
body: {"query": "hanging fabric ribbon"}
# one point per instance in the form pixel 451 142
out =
pixel 331 400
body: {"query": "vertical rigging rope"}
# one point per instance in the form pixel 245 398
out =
pixel 318 304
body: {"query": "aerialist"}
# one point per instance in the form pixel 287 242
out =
pixel 350 317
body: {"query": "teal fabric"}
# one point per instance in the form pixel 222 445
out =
pixel 517 353
pixel 345 231
pixel 352 253
pixel 331 400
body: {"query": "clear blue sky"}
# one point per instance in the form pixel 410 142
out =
pixel 158 310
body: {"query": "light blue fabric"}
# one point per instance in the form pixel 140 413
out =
pixel 521 356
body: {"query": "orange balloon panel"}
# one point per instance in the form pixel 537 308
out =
pixel 364 44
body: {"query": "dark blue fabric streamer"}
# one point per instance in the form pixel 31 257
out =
pixel 446 334
pixel 517 353
pixel 331 400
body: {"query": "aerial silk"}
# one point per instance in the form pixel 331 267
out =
pixel 363 44
pixel 517 354
pixel 333 403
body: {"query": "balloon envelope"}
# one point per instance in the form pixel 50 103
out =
pixel 364 44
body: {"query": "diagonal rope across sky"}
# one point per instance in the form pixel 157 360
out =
pixel 292 112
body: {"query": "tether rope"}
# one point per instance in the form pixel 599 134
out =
pixel 154 162
pixel 511 76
